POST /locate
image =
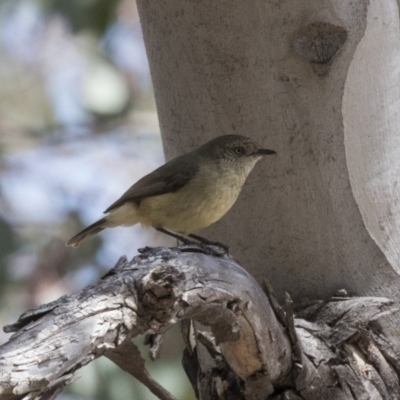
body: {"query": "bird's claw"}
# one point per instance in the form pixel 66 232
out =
pixel 215 250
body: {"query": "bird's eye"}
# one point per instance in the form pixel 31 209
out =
pixel 239 150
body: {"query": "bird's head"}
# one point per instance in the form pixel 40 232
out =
pixel 235 151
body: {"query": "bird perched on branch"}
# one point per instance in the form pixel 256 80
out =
pixel 186 194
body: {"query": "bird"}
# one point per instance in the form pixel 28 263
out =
pixel 186 194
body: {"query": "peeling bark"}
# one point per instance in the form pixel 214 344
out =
pixel 258 351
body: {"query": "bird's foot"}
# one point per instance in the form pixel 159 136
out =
pixel 205 245
pixel 196 247
pixel 181 238
pixel 207 242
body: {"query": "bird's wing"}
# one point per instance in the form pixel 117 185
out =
pixel 165 179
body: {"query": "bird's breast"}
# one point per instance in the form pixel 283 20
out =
pixel 201 202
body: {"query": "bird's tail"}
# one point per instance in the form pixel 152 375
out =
pixel 88 233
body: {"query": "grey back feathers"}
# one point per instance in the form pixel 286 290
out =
pixel 178 172
pixel 168 178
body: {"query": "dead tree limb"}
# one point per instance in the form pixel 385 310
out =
pixel 146 296
pixel 331 352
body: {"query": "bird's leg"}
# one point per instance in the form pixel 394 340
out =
pixel 183 239
pixel 203 240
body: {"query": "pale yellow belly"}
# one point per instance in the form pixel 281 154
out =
pixel 190 209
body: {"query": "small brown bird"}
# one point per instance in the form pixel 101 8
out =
pixel 187 193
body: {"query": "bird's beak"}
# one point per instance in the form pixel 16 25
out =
pixel 265 152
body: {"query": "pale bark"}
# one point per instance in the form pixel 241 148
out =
pixel 257 350
pixel 147 296
pixel 316 81
pixel 233 66
pixel 371 119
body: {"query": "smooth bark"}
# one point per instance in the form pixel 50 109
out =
pixel 317 82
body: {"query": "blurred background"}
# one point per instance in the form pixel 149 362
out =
pixel 78 126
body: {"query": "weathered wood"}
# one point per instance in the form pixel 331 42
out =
pixel 337 353
pixel 148 295
pixel 128 357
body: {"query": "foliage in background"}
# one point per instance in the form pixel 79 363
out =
pixel 77 127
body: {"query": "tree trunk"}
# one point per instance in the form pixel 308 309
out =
pixel 316 81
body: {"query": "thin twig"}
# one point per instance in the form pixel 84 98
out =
pixel 128 357
pixel 280 314
pixel 292 330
